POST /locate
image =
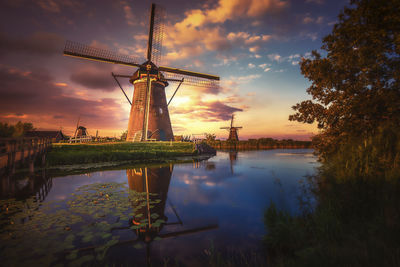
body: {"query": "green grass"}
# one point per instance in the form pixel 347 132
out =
pixel 68 154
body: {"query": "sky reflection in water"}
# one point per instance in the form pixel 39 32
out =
pixel 231 189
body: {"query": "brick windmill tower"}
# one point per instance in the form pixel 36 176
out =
pixel 233 131
pixel 149 116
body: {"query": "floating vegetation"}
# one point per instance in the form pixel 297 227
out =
pixel 78 230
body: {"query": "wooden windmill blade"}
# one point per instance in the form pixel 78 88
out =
pixel 156 34
pixel 189 231
pixel 77 125
pixel 191 78
pixel 189 73
pixel 74 49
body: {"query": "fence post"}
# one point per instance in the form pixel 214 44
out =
pixel 11 147
pixel 22 158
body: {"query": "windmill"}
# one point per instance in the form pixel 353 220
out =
pixel 233 131
pixel 149 116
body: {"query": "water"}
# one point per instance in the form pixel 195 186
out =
pixel 203 207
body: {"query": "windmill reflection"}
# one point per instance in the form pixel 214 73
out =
pixel 232 159
pixel 150 218
pixel 155 183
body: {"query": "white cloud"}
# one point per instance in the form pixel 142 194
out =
pixel 291 57
pixel 245 39
pixel 265 66
pixel 274 57
pixel 312 35
pixel 234 81
pixel 308 19
pixel 251 66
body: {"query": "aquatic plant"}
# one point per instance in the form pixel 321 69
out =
pixel 77 230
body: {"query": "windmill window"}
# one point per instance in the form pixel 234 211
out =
pixel 161 111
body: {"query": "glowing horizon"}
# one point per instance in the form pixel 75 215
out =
pixel 254 46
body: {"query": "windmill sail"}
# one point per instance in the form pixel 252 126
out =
pixel 189 73
pixel 75 49
pixel 158 34
pixel 191 80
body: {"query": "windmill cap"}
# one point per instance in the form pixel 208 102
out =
pixel 143 71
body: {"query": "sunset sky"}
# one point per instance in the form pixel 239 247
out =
pixel 253 45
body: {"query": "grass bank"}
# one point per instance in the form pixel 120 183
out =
pixel 69 154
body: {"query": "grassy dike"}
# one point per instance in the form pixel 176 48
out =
pixel 70 154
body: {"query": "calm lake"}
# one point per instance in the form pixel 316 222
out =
pixel 165 214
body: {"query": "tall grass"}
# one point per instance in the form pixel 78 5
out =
pixel 376 156
pixel 356 219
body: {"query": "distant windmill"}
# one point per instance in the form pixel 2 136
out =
pixel 233 131
pixel 80 131
pixel 232 159
pixel 149 116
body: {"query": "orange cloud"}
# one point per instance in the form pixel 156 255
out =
pixel 199 30
pixel 14 116
pixel 130 19
pixel 61 84
pixel 230 9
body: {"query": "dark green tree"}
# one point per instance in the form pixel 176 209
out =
pixel 17 130
pixel 210 137
pixel 355 86
pixel 21 128
pixel 6 130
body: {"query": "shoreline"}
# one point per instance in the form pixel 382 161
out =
pixel 64 159
pixel 259 144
